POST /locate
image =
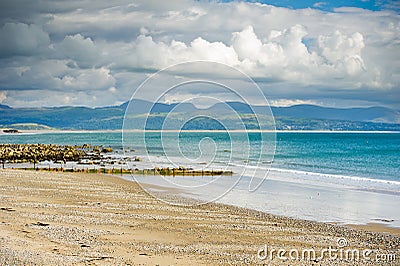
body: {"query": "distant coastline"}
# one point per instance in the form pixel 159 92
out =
pixel 243 116
pixel 72 131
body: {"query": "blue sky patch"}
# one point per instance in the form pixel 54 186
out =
pixel 331 5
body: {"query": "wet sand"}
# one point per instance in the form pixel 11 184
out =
pixel 50 218
pixel 377 227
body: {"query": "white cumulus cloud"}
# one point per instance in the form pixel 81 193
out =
pixel 82 50
pixel 282 56
pixel 86 49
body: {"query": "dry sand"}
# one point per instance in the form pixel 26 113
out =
pixel 51 218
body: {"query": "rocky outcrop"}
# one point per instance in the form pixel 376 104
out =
pixel 21 153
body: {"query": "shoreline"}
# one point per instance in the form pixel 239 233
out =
pixel 376 228
pixel 379 226
pixel 75 218
pixel 298 196
pixel 298 200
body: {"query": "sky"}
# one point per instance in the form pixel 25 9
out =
pixel 96 53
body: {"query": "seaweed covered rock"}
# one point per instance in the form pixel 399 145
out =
pixel 18 153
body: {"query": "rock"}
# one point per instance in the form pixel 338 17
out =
pixel 106 150
pixel 7 209
pixel 41 224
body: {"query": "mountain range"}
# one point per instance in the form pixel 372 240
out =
pixel 297 117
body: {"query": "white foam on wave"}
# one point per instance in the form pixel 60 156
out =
pixel 279 174
pixel 322 178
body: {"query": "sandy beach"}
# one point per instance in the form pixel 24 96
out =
pixel 49 218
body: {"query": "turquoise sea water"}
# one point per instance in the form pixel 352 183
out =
pixel 333 177
pixel 367 155
pixel 356 154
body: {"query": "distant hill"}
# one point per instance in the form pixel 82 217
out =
pixel 370 114
pixel 65 117
pixel 298 117
pixel 2 106
pixel 29 126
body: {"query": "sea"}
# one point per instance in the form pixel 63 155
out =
pixel 340 177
